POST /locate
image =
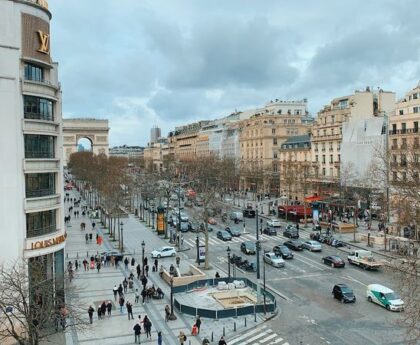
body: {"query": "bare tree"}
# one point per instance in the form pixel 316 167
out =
pixel 34 306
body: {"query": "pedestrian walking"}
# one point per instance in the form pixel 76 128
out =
pixel 147 325
pixel 126 263
pixel 85 264
pixel 167 313
pixel 145 262
pixel 146 268
pixel 98 266
pixel 159 338
pixel 138 269
pixel 90 313
pixel 222 341
pixel 137 296
pixel 143 294
pixel 103 309
pixel 129 307
pixel 130 284
pixel 99 312
pixel 109 307
pixel 120 290
pixel 76 264
pixel 90 237
pixel 125 284
pixel 137 332
pixel 156 264
pixel 133 262
pixel 87 238
pixel 144 282
pixel 198 323
pixel 182 337
pixel 121 302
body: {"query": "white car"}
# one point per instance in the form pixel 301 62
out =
pixel 163 252
pixel 312 246
pixel 274 260
pixel 275 223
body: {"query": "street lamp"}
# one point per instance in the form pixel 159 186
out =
pixel 143 245
pixel 122 236
pixel 153 217
pixel 228 256
pixel 257 250
pixel 172 316
pixel 197 242
pixel 264 285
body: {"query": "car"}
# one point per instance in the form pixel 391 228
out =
pixel 117 255
pixel 185 226
pixel 343 293
pixel 248 213
pixel 333 261
pixel 249 266
pixel 294 245
pixel 270 231
pixel 234 232
pixel 238 216
pixel 385 297
pixel 274 260
pixel 274 223
pixel 313 246
pixel 224 235
pixel 283 251
pixel 212 221
pixel 163 252
pixel 248 247
pixel 291 233
pixel 184 217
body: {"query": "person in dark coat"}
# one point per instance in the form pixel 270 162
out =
pixel 129 307
pixel 198 323
pixel 90 312
pixel 144 282
pixel 133 262
pixel 137 332
pixel 103 309
pixel 143 295
pixel 138 269
pixel 121 303
pixel 120 290
pixel 147 324
pixel 109 308
pixel 99 312
pixel 126 263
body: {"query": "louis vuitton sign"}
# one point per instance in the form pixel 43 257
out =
pixel 35 38
pixel 48 242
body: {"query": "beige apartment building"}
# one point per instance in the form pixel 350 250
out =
pixel 404 137
pixel 327 132
pixel 260 140
pixel 155 155
pixel 295 164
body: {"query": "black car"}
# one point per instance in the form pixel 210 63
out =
pixel 344 293
pixel 270 231
pixel 249 266
pixel 233 232
pixel 117 255
pixel 294 245
pixel 333 261
pixel 248 213
pixel 248 247
pixel 283 251
pixel 224 235
pixel 291 233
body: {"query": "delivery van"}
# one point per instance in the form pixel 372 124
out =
pixel 385 297
pixel 236 215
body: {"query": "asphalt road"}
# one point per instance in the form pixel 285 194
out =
pixel 310 315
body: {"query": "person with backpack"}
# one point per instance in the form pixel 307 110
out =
pixel 129 307
pixel 147 324
pixel 90 313
pixel 159 339
pixel 115 292
pixel 137 332
pixel 109 308
pixel 222 341
pixel 182 337
pixel 121 302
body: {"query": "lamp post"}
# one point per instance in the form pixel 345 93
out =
pixel 228 256
pixel 143 245
pixel 257 251
pixel 153 217
pixel 122 237
pixel 178 228
pixel 264 283
pixel 197 242
pixel 172 316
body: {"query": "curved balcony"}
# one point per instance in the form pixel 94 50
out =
pixel 40 203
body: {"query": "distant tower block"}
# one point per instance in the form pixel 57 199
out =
pixel 154 134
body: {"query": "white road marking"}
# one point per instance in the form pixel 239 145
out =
pixel 277 341
pixel 303 276
pixel 271 336
pixel 244 336
pixel 262 334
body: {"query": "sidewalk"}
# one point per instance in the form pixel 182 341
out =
pixel 96 287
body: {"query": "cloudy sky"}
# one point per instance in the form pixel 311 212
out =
pixel 145 62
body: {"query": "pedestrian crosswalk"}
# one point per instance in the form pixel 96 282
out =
pixel 264 336
pixel 213 240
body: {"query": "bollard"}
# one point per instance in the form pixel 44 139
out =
pixel 234 326
pixel 223 331
pixel 245 321
pixel 211 336
pixel 255 317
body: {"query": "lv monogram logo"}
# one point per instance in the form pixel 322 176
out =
pixel 45 42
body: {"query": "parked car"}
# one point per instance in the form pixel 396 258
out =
pixel 224 235
pixel 283 251
pixel 234 232
pixel 236 216
pixel 312 246
pixel 291 233
pixel 294 245
pixel 270 231
pixel 385 297
pixel 333 261
pixel 248 247
pixel 163 252
pixel 248 213
pixel 212 221
pixel 343 293
pixel 274 223
pixel 274 260
pixel 117 255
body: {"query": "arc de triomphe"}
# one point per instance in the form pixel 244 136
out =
pixel 96 131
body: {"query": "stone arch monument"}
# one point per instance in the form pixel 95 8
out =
pixel 96 131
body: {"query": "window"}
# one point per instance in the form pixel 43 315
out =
pixel 331 146
pixel 40 223
pixel 323 159
pixel 403 160
pixel 331 159
pixel 316 147
pixel 401 112
pixel 38 185
pixel 338 147
pixel 416 143
pixel 394 128
pixel 339 158
pixel 323 171
pixel 416 126
pixel 394 144
pixel 404 143
pixel 317 132
pixel 332 119
pixel 38 108
pixel 323 147
pixel 33 72
pixel 274 154
pixel 332 131
pixel 404 176
pixel 39 146
pixel 273 131
pixel 394 176
pixel 325 132
pixel 415 109
pixel 415 95
pixel 394 158
pixel 403 127
pixel 331 172
pixel 274 141
pixel 316 158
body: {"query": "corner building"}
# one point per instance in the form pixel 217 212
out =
pixel 31 184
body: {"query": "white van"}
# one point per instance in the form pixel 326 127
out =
pixel 236 215
pixel 385 297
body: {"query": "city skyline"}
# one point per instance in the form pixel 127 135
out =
pixel 174 65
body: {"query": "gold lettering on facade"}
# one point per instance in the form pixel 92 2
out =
pixel 48 243
pixel 45 42
pixel 43 3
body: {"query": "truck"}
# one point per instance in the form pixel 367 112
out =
pixel 364 259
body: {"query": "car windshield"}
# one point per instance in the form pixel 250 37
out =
pixel 391 296
pixel 346 290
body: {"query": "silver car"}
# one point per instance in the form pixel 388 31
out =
pixel 273 259
pixel 312 246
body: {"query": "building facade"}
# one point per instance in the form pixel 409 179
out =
pixel 327 132
pixel 125 151
pixel 31 202
pixel 404 139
